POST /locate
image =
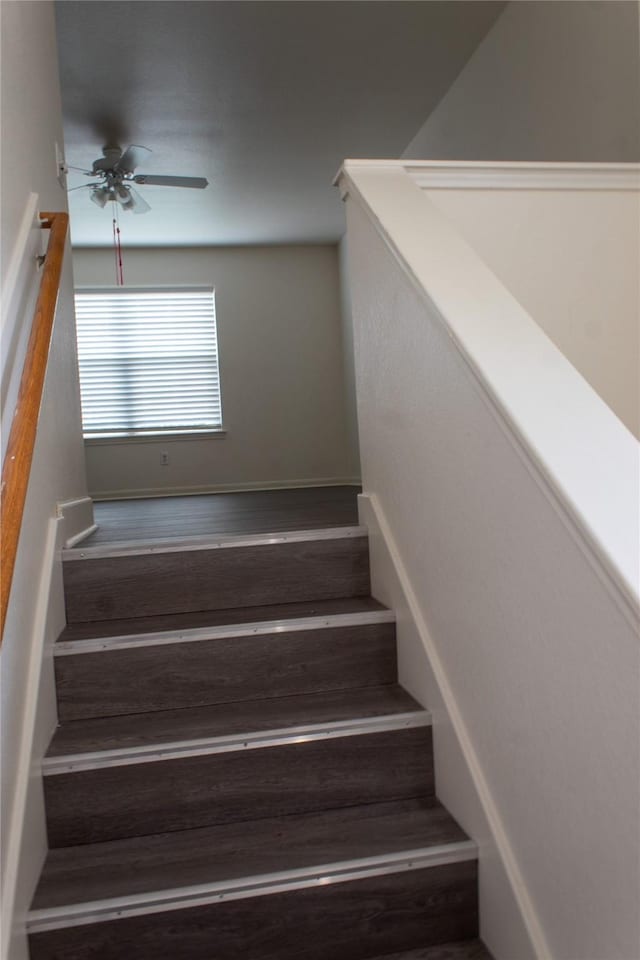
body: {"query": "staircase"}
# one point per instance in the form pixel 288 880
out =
pixel 237 773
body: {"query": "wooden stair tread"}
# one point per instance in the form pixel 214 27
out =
pixel 216 618
pixel 145 581
pixel 261 783
pixel 461 950
pixel 248 511
pixel 119 868
pixel 229 719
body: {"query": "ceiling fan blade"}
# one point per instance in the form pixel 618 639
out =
pixel 88 173
pixel 83 186
pixel 131 158
pixel 138 204
pixel 198 183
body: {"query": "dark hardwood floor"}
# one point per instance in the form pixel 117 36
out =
pixel 340 921
pixel 229 719
pixel 222 670
pixel 217 618
pixel 255 511
pixel 121 868
pixel 162 581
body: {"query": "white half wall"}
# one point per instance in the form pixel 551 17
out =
pixel 514 518
pixel 281 370
pixel 420 671
pixel 553 80
pixel 31 126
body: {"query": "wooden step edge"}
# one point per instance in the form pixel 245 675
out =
pixel 456 950
pixel 161 901
pixel 125 548
pixel 66 648
pixel 237 742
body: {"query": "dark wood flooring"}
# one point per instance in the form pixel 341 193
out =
pixel 107 683
pixel 259 511
pixel 463 950
pixel 111 803
pixel 342 921
pixel 215 618
pixel 228 720
pixel 121 868
pixel 170 822
pixel 180 581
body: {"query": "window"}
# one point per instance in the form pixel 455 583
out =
pixel 148 362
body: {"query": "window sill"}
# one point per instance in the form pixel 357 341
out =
pixel 155 438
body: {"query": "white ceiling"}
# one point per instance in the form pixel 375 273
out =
pixel 265 99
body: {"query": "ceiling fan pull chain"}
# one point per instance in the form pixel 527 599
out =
pixel 117 246
pixel 121 278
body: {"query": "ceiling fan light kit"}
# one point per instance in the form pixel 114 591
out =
pixel 99 196
pixel 116 173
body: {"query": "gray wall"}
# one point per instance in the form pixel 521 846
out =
pixel 551 81
pixel 570 257
pixel 348 359
pixel 281 369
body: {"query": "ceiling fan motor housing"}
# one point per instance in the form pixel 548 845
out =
pixel 108 161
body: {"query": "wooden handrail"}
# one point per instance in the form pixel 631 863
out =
pixel 22 438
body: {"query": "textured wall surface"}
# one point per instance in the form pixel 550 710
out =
pixel 572 260
pixel 539 651
pixel 31 125
pixel 550 81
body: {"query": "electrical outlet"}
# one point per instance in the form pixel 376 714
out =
pixel 164 458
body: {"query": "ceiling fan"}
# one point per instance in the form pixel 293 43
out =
pixel 116 174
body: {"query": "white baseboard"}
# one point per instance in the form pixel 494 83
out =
pixel 509 923
pixel 78 519
pixel 136 494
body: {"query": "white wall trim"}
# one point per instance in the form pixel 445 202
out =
pixel 18 301
pixel 158 438
pixel 526 176
pixel 143 492
pixel 559 468
pixel 505 175
pixel 16 824
pixel 79 537
pixel 527 910
pixel 22 258
pixel 78 519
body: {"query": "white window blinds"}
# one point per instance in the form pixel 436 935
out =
pixel 148 362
